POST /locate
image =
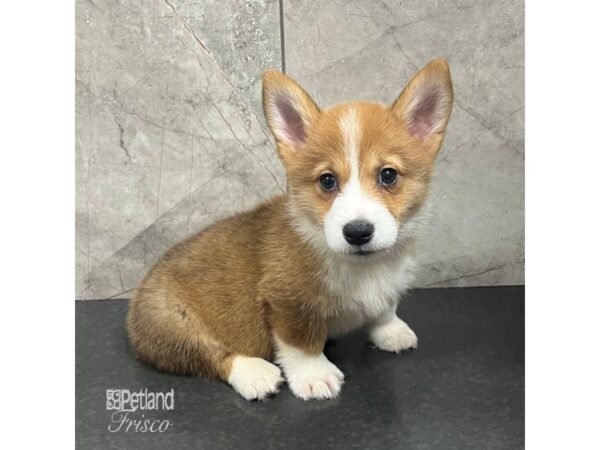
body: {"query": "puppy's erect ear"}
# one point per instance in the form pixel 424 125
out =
pixel 289 111
pixel 425 103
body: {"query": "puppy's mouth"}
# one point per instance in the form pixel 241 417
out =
pixel 362 252
pixel 365 251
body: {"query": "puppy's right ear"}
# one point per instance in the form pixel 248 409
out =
pixel 289 111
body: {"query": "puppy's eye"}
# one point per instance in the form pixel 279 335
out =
pixel 388 176
pixel 328 182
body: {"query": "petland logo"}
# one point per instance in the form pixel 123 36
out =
pixel 128 407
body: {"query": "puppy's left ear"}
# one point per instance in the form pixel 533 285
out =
pixel 425 103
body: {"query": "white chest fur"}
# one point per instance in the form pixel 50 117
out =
pixel 364 289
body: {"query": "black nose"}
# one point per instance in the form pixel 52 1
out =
pixel 358 232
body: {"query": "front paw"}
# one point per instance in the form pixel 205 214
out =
pixel 318 379
pixel 394 336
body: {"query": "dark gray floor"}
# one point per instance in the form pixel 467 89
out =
pixel 462 389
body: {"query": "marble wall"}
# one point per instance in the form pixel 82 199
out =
pixel 170 134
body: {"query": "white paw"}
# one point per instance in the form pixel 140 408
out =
pixel 317 378
pixel 254 378
pixel 394 336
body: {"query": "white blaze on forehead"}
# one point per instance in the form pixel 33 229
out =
pixel 352 202
pixel 350 126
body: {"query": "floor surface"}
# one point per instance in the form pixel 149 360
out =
pixel 463 388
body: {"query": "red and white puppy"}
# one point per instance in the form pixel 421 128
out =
pixel 260 292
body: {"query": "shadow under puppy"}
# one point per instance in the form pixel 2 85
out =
pixel 332 255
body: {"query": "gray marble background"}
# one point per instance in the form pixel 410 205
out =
pixel 170 134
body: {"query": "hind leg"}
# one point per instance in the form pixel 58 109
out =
pixel 171 336
pixel 253 378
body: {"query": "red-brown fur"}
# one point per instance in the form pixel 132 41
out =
pixel 226 290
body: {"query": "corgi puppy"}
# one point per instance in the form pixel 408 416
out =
pixel 252 299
